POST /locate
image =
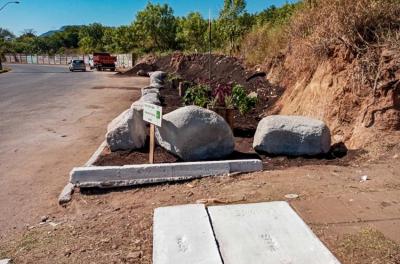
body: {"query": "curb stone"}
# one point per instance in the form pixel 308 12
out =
pixel 131 175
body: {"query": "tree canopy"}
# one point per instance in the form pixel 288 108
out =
pixel 154 29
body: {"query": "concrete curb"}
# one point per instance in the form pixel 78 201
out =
pixel 131 175
pixel 66 194
pixel 96 154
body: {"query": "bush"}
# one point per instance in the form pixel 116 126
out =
pixel 268 39
pixel 354 24
pixel 197 95
pixel 241 100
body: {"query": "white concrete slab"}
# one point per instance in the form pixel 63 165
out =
pixel 266 233
pixel 129 175
pixel 183 235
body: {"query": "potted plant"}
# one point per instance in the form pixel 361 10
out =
pixel 230 110
pixel 222 102
pixel 174 80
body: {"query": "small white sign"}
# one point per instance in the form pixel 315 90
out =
pixel 152 113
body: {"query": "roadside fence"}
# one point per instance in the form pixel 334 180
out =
pixel 123 60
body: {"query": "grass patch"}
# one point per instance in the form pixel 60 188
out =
pixel 369 246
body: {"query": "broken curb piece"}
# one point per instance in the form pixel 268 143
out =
pixel 66 194
pixel 130 175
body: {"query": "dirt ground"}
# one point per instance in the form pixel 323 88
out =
pixel 357 220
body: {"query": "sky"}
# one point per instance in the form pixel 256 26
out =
pixel 45 15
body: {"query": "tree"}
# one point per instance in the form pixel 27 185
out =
pixel 29 32
pixel 229 22
pixel 192 32
pixel 5 37
pixel 120 40
pixel 6 34
pixel 156 27
pixel 91 38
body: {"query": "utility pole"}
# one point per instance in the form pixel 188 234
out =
pixel 1 8
pixel 209 47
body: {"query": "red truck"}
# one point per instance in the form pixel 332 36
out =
pixel 101 61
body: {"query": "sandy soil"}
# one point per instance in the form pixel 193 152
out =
pixel 358 221
pixel 115 226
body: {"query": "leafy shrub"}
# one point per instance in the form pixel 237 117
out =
pixel 241 100
pixel 197 95
pixel 222 91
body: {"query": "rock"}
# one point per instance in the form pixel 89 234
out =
pixel 151 98
pixel 157 78
pixel 194 133
pixel 142 72
pixel 292 135
pixel 44 218
pixel 66 194
pixel 149 89
pixel 5 261
pixel 134 255
pixel 127 131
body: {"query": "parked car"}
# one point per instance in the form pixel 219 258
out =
pixel 77 65
pixel 101 61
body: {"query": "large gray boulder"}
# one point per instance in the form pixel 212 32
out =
pixel 194 133
pixel 292 135
pixel 157 79
pixel 127 131
pixel 151 98
pixel 149 89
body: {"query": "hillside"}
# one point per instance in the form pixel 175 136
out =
pixel 343 69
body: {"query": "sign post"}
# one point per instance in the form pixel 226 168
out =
pixel 153 114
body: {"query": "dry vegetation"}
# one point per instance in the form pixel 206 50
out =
pixel 370 246
pixel 360 28
pixel 342 57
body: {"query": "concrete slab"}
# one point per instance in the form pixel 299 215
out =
pixel 266 233
pixel 114 176
pixel 182 235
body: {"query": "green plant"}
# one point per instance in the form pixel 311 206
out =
pixel 241 100
pixel 197 95
pixel 173 77
pixel 213 102
pixel 229 102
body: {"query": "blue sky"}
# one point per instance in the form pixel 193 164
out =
pixel 45 15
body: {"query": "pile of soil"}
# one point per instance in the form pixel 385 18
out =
pixel 194 68
pixel 224 69
pixel 244 132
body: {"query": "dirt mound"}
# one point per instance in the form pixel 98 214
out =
pixel 224 69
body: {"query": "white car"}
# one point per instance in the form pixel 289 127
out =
pixel 77 65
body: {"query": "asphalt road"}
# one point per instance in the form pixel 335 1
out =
pixel 51 120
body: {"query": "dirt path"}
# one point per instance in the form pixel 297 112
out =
pixel 46 130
